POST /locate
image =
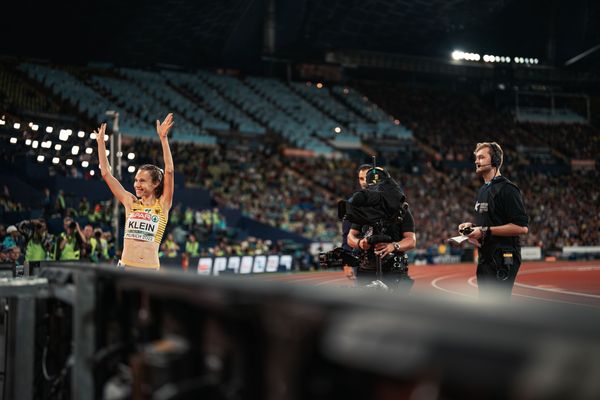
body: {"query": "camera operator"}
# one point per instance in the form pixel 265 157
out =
pixel 39 243
pixel 350 271
pixel 394 266
pixel 500 218
pixel 71 241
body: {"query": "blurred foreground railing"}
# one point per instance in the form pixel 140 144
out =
pixel 75 331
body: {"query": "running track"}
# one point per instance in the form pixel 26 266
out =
pixel 555 282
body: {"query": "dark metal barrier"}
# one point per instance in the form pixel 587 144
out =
pixel 115 334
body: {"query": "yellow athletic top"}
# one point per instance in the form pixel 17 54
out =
pixel 146 223
pixel 144 229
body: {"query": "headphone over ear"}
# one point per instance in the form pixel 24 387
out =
pixel 496 159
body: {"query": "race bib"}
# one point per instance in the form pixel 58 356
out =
pixel 141 226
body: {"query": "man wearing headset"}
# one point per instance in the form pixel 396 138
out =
pixel 499 221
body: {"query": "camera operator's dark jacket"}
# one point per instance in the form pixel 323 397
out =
pixel 378 207
pixel 395 230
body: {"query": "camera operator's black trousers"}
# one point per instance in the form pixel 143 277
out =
pixel 495 280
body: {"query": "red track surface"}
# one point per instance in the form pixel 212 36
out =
pixel 562 282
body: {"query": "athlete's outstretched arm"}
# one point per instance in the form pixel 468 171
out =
pixel 162 129
pixel 125 197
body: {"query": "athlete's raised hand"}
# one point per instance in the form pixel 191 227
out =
pixel 163 128
pixel 100 133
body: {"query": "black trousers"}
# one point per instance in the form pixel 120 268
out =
pixel 496 278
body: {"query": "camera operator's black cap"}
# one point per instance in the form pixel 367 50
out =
pixel 376 175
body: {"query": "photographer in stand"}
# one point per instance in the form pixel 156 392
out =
pixel 39 243
pixel 71 241
pixel 383 229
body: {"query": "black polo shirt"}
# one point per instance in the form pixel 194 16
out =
pixel 499 202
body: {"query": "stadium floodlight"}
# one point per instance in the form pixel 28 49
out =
pixel 107 152
pixel 40 158
pixel 458 55
pixel 63 135
pixel 57 147
pixel 69 161
pixel 396 122
pixel 119 154
pixel 13 140
pixel 92 172
pixel 81 134
pixel 35 144
pixel 69 132
pixel 346 91
pixel 55 160
pixel 85 164
pixel 16 125
pixel 497 58
pixel 130 156
pixel 49 129
pixel 35 127
pixel 93 135
pixel 131 169
pixel 89 150
pixel 27 142
pixel 337 129
pixel 319 85
pixel 105 137
pixel 46 144
pixel 508 59
pixel 74 150
pixel 2 122
pixel 535 61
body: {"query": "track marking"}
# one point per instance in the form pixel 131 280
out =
pixel 558 290
pixel 434 283
pixel 555 300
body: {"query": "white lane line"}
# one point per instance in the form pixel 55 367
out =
pixel 555 300
pixel 434 283
pixel 559 269
pixel 471 282
pixel 558 290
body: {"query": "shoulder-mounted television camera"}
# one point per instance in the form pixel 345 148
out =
pixel 381 202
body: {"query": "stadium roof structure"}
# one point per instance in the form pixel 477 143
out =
pixel 240 33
